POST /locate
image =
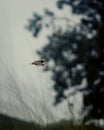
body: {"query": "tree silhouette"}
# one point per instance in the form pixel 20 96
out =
pixel 77 53
pixel 93 12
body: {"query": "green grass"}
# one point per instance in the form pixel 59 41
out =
pixel 9 123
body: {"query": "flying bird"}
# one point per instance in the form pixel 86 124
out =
pixel 39 62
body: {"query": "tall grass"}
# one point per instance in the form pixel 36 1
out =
pixel 41 114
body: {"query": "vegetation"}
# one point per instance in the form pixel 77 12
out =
pixel 78 53
pixel 10 123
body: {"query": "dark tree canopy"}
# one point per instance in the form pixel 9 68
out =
pixel 77 53
pixel 93 11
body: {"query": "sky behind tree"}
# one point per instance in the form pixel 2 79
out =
pixel 18 49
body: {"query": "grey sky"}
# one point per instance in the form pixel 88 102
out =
pixel 17 51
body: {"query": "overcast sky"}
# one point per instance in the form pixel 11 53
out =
pixel 17 51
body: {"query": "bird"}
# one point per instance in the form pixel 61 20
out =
pixel 40 62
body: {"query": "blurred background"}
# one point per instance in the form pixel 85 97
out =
pixel 67 92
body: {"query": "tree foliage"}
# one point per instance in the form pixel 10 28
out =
pixel 77 53
pixel 93 19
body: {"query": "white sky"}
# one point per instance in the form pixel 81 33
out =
pixel 17 50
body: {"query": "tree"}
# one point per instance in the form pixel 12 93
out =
pixel 94 21
pixel 77 53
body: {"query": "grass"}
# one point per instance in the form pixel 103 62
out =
pixel 10 123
